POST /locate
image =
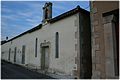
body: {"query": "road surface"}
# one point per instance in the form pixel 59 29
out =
pixel 12 71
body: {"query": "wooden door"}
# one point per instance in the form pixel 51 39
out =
pixel 45 58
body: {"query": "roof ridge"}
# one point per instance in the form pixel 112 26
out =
pixel 65 14
pixel 68 13
pixel 57 18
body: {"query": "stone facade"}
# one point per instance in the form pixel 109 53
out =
pixel 102 31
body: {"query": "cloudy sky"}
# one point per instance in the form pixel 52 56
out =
pixel 20 16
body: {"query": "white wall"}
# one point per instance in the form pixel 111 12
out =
pixel 66 61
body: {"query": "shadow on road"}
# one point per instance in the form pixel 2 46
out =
pixel 12 71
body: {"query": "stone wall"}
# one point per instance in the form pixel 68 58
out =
pixel 98 36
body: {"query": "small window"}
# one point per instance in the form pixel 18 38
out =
pixel 23 54
pixel 57 44
pixel 9 53
pixel 36 47
pixel 15 51
pixel 2 52
pixel 46 13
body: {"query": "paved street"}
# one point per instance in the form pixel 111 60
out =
pixel 11 71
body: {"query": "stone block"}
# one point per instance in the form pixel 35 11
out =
pixel 93 29
pixel 96 28
pixel 108 19
pixel 98 57
pixel 97 40
pixel 95 10
pixel 96 34
pixel 97 53
pixel 93 66
pixel 93 60
pixel 76 35
pixel 95 23
pixel 97 47
pixel 76 47
pixel 76 22
pixel 98 66
pixel 74 72
pixel 93 52
pixel 76 60
pixel 96 74
pixel 75 67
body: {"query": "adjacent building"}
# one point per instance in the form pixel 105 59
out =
pixel 105 39
pixel 59 45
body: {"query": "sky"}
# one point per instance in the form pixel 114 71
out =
pixel 20 16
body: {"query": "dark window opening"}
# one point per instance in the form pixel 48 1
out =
pixel 23 54
pixel 15 54
pixel 57 44
pixel 36 47
pixel 9 53
pixel 46 13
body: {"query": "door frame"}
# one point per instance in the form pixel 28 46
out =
pixel 110 45
pixel 42 47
